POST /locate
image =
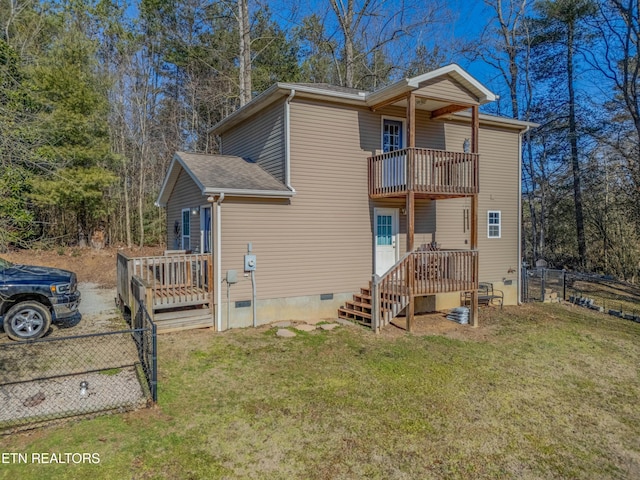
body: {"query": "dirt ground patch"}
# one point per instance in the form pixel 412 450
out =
pixel 96 271
pixel 437 324
pixel 92 266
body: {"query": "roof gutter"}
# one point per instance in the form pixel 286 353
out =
pixel 248 193
pixel 287 121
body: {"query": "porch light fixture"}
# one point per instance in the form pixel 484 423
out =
pixel 195 210
pixel 403 211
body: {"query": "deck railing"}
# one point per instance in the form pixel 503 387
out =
pixel 423 170
pixel 175 280
pixel 421 273
pixel 444 271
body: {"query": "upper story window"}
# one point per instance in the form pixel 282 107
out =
pixel 392 135
pixel 494 224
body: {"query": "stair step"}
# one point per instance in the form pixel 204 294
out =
pixel 353 313
pixel 365 291
pixel 362 298
pixel 357 306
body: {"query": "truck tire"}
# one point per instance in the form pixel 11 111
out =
pixel 27 321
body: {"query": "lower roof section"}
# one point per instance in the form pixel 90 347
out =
pixel 216 174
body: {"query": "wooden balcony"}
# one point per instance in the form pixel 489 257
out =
pixel 428 173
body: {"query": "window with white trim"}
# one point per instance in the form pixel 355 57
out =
pixel 494 225
pixel 186 229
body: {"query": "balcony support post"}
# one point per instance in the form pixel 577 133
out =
pixel 411 202
pixel 411 161
pixel 475 127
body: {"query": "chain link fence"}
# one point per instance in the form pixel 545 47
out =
pixel 597 292
pixel 543 284
pixel 54 378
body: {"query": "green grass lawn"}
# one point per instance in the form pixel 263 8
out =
pixel 540 391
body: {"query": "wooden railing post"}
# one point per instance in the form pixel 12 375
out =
pixel 410 289
pixel 375 304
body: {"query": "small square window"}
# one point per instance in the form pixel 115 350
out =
pixel 494 225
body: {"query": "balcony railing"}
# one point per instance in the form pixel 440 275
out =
pixel 424 171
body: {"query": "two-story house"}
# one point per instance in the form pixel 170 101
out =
pixel 354 203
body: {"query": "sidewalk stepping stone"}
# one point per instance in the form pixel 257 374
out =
pixel 305 328
pixel 343 321
pixel 328 326
pixel 283 332
pixel 282 324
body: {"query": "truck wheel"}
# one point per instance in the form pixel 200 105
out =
pixel 27 321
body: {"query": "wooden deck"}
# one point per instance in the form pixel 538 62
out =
pixel 178 288
pixel 416 274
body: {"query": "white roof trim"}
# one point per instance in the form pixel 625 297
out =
pixel 360 96
pixel 366 98
pixel 459 74
pixel 234 192
pixel 171 178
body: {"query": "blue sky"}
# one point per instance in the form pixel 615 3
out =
pixel 468 18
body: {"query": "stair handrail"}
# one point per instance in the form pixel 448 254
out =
pixel 376 280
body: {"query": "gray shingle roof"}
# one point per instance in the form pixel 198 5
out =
pixel 331 88
pixel 228 172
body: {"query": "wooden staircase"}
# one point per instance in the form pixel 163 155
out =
pixel 360 309
pixel 184 319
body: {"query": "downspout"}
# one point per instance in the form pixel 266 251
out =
pixel 519 267
pixel 287 129
pixel 218 261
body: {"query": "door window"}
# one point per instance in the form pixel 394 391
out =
pixel 385 230
pixel 186 229
pixel 391 135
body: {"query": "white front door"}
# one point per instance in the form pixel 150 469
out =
pixel 386 238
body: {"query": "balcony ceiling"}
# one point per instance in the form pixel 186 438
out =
pixel 424 104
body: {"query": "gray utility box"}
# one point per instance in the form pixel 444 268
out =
pixel 232 276
pixel 249 263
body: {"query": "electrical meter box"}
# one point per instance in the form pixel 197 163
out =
pixel 249 263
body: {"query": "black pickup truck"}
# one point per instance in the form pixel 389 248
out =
pixel 33 297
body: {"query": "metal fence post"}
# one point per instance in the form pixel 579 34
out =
pixel 543 275
pixel 154 363
pixel 564 285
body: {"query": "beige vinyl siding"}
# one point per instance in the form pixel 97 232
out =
pixel 446 88
pixel 321 242
pixel 451 233
pixel 498 191
pixel 260 139
pixel 185 194
pixel 429 133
